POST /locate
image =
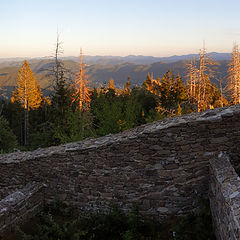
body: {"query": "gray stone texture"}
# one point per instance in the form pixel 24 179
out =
pixel 224 195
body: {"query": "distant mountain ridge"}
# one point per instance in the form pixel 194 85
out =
pixel 140 59
pixel 99 74
pixel 114 60
pixel 101 68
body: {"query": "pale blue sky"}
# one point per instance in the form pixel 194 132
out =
pixel 109 27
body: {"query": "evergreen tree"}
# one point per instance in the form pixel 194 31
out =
pixel 107 111
pixel 70 118
pixel 179 110
pixel 126 90
pixel 8 140
pixel 152 85
pixel 166 95
pixel 61 108
pixel 61 99
pixel 111 90
pixel 148 83
pixel 179 91
pixel 145 104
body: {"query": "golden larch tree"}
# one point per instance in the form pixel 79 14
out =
pixel 111 84
pixel 126 89
pixel 27 93
pixel 152 85
pixel 81 93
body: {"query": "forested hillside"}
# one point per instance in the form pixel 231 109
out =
pixel 99 74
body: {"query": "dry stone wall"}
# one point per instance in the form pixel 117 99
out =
pixel 224 194
pixel 163 166
pixel 19 206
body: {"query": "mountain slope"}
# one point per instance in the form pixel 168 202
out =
pixel 99 74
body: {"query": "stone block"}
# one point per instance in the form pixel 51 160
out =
pixel 163 210
pixel 219 140
pixel 171 166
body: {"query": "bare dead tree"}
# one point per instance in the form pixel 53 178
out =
pixel 192 78
pixel 198 79
pixel 205 73
pixel 233 85
pixel 58 66
pixel 81 93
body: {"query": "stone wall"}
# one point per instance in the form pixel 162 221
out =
pixel 19 206
pixel 163 166
pixel 224 194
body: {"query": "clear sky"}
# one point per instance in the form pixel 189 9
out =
pixel 118 27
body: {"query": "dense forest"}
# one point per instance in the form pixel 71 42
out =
pixel 73 111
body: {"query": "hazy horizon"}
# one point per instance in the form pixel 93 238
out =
pixel 69 56
pixel 105 27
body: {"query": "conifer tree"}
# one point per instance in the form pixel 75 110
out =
pixel 148 83
pixel 27 93
pixel 111 84
pixel 126 89
pixel 8 140
pixel 179 110
pixel 152 85
pixel 179 91
pixel 62 95
pixel 234 76
pixel 111 90
pixel 166 90
pixel 61 99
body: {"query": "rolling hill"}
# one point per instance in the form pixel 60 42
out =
pixel 99 74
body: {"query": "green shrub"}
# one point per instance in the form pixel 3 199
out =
pixel 8 140
pixel 197 227
pixel 58 223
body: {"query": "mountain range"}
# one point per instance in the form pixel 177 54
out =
pixel 101 68
pixel 113 60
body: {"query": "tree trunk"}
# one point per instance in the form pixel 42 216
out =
pixel 25 127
